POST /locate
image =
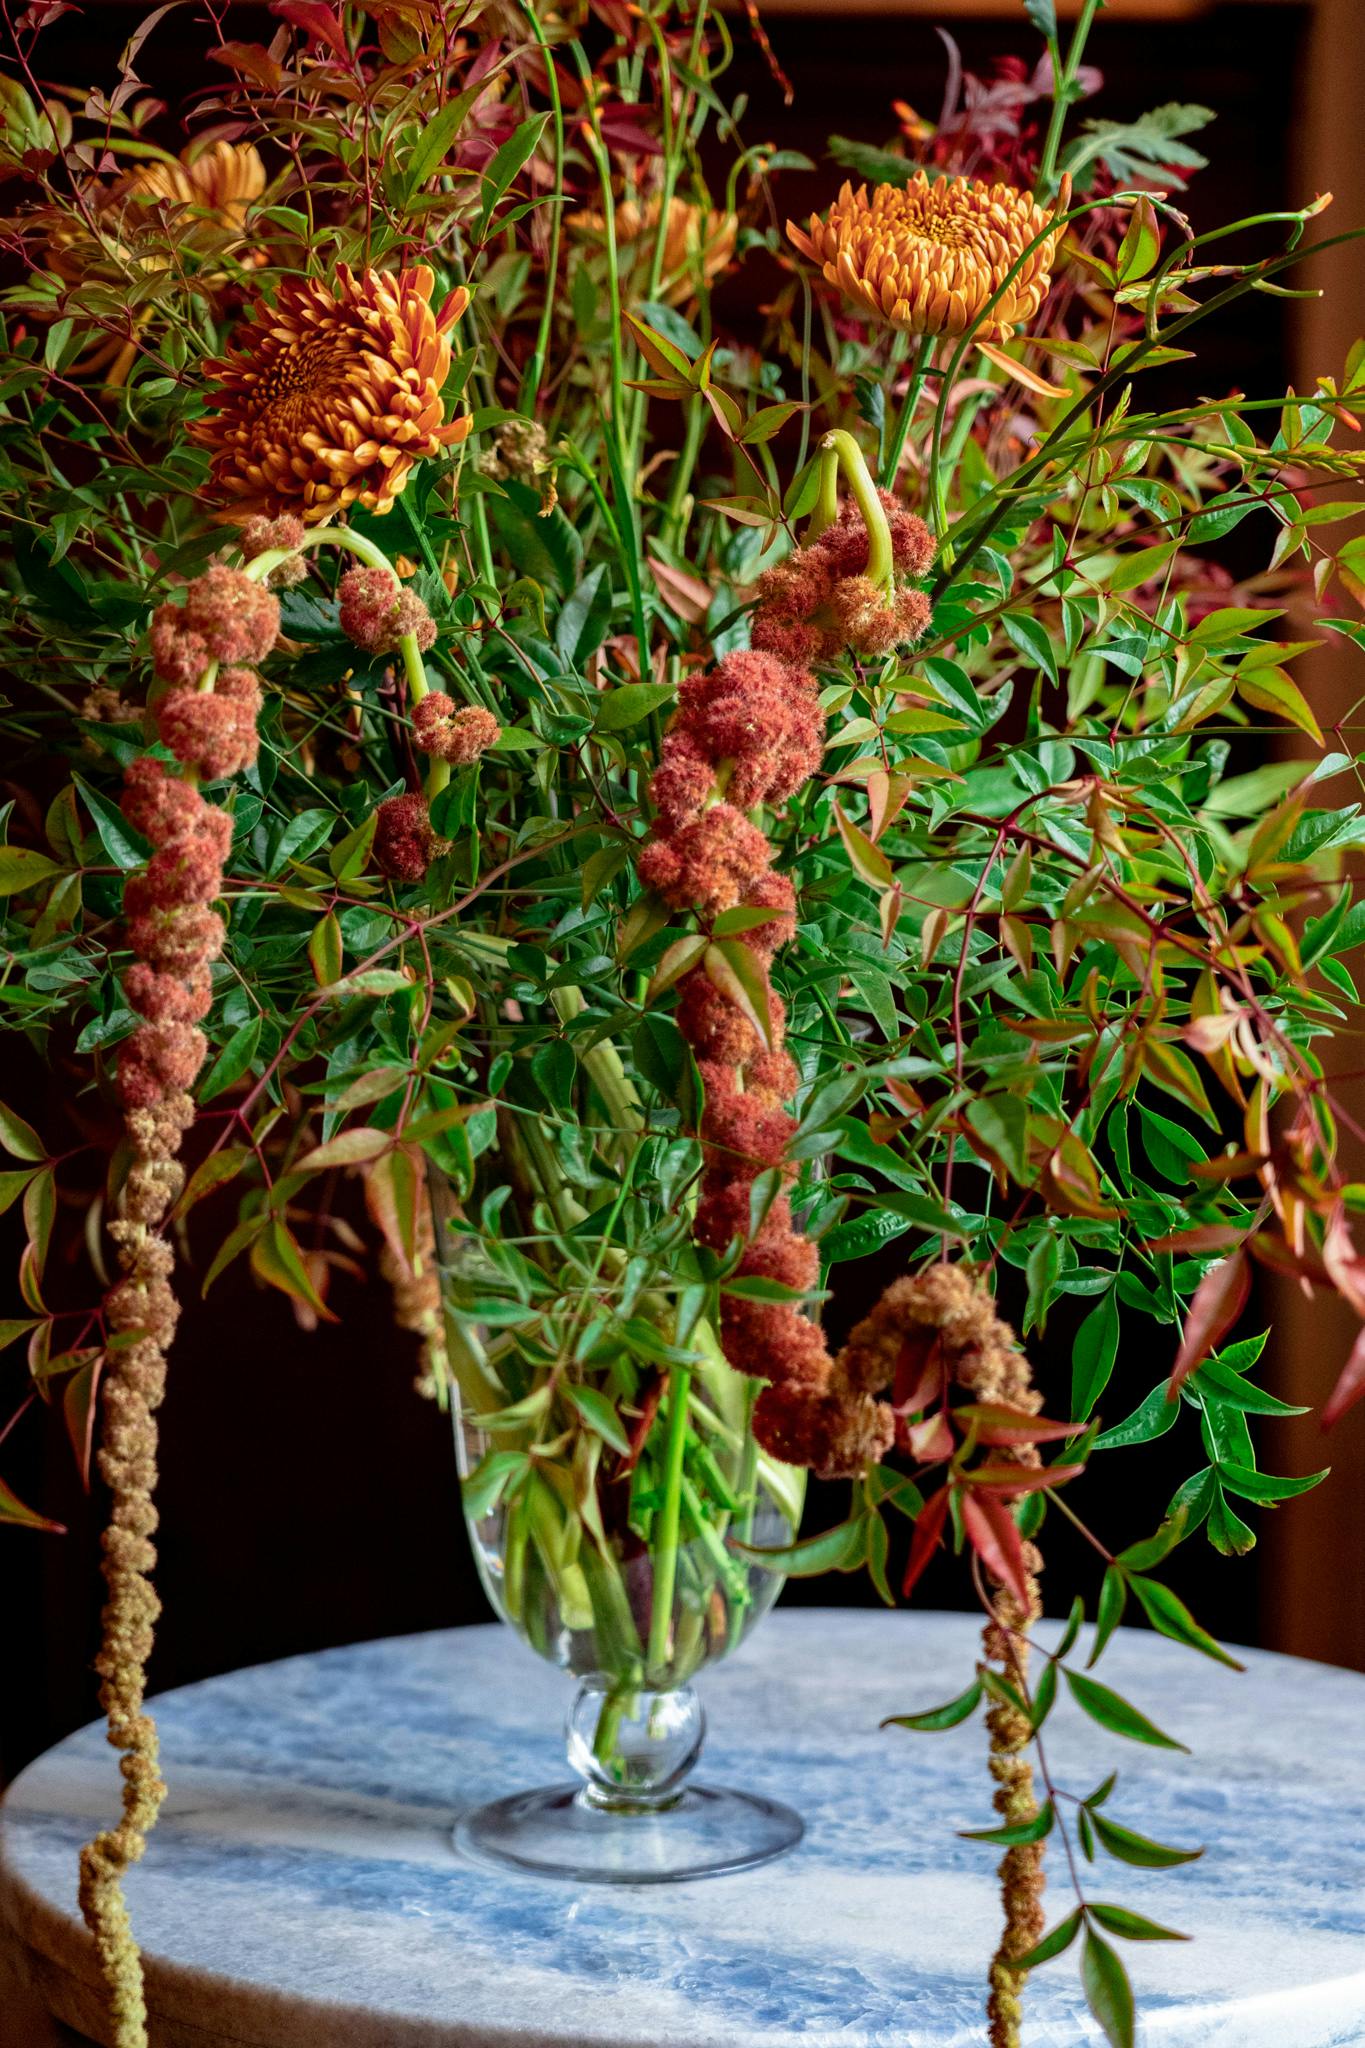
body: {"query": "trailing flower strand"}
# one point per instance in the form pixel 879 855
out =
pixel 207 718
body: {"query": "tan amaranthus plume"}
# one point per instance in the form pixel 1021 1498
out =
pixel 982 1354
pixel 331 395
pixel 928 256
pixel 141 1312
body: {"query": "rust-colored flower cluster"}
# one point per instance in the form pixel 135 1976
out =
pixel 929 256
pixel 750 733
pixel 332 394
pixel 376 612
pixel 821 600
pixel 175 935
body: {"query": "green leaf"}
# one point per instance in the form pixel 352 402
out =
pixel 1117 1714
pixel 1044 1693
pixel 1262 1486
pixel 21 868
pixel 19 1139
pixel 935 1718
pixel 1035 1830
pixel 841 1549
pixel 1093 1355
pixel 1150 1550
pixel 1132 1926
pixel 1107 1990
pixel 1140 1850
pixel 1152 1419
pixel 629 704
pixel 125 848
pixel 232 1062
pixel 1043 15
pixel 583 618
pixel 1053 1943
pixel 555 1069
pixel 1109 1613
pixel 325 955
pixel 1227 1532
pixel 1031 638
pixel 276 1259
pixel 490 1480
pixel 348 857
pixel 1001 1123
pixel 600 1415
pixel 437 136
pixel 1170 1616
pixel 734 969
pixel 505 163
pixel 544 547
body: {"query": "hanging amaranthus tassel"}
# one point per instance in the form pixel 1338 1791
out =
pixel 175 935
pixel 943 1314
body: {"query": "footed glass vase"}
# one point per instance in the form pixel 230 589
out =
pixel 607 1522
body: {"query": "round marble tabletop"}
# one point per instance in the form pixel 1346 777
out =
pixel 302 1888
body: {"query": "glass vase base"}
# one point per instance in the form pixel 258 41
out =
pixel 559 1832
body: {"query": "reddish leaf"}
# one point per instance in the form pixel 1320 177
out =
pixel 1350 1385
pixel 1012 1479
pixel 78 1409
pixel 12 1509
pixel 928 1528
pixel 1218 1301
pixel 1345 1267
pixel 317 22
pixel 1203 1237
pixel 929 1440
pixel 393 1187
pixel 998 1424
pixel 919 1373
pixel 994 1536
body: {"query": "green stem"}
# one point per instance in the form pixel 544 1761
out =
pixel 1063 78
pixel 535 369
pixel 666 1526
pixel 841 452
pixel 892 463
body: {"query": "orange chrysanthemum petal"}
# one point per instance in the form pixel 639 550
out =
pixel 331 395
pixel 928 256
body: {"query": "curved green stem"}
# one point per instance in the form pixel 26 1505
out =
pixel 841 452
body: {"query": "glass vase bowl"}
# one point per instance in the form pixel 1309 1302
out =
pixel 617 1541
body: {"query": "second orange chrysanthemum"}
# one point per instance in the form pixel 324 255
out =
pixel 929 256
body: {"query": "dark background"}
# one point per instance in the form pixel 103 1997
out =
pixel 307 1495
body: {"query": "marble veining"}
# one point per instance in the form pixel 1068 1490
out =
pixel 302 1888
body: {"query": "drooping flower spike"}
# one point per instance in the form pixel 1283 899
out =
pixel 750 732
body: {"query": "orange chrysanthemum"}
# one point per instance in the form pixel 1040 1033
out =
pixel 928 256
pixel 332 395
pixel 223 179
pixel 694 241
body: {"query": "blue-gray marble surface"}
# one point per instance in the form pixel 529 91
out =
pixel 302 1888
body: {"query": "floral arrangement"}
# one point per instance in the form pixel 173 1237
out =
pixel 710 792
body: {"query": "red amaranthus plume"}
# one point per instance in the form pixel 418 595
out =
pixel 750 732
